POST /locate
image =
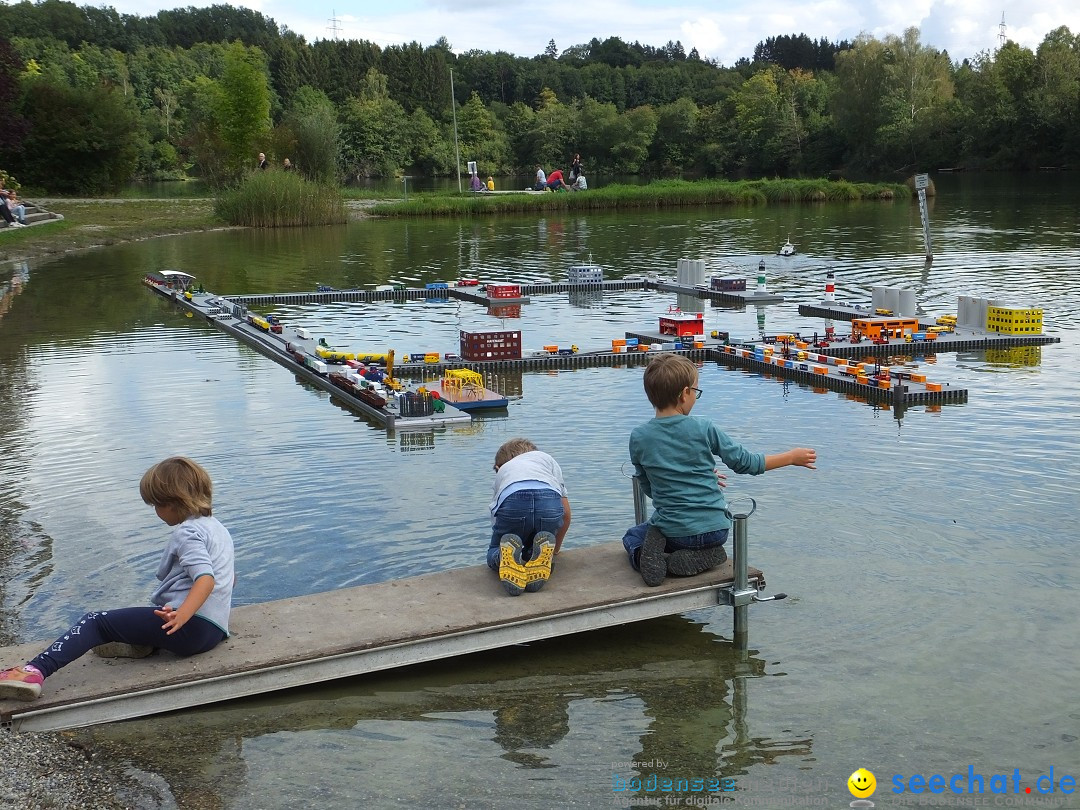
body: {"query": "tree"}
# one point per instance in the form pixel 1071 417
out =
pixel 480 138
pixel 636 129
pixel 373 128
pixel 82 140
pixel 761 124
pixel 15 126
pixel 919 88
pixel 551 52
pixel 676 136
pixel 857 104
pixel 311 122
pixel 243 107
pixel 554 127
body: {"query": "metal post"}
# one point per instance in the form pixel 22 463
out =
pixel 922 182
pixel 741 583
pixel 641 508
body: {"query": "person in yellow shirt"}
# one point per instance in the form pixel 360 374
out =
pixel 490 183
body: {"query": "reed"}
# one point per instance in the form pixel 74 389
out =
pixel 278 199
pixel 659 194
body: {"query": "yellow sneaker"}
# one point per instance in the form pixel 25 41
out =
pixel 538 569
pixel 512 572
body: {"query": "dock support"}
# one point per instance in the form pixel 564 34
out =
pixel 741 591
pixel 641 508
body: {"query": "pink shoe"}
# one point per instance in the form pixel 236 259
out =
pixel 18 684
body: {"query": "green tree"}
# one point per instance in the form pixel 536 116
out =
pixel 857 106
pixel 480 138
pixel 242 107
pixel 919 89
pixel 314 134
pixel 431 152
pixel 676 135
pixel 82 140
pixel 373 129
pixel 761 123
pixel 554 129
pixel 635 130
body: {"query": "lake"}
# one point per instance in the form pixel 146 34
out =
pixel 930 559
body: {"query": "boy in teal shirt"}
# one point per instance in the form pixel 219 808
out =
pixel 674 460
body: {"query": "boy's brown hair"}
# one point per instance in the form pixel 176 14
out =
pixel 666 376
pixel 512 448
pixel 178 482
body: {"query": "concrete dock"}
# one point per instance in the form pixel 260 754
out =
pixel 353 631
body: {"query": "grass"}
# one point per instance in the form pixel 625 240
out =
pixel 98 223
pixel 660 194
pixel 276 199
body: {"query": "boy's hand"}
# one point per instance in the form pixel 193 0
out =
pixel 803 457
pixel 721 479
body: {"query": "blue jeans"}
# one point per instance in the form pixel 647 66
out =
pixel 136 625
pixel 525 513
pixel 634 539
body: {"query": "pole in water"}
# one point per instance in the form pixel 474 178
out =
pixel 922 182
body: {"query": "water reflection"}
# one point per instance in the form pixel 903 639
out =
pixel 665 691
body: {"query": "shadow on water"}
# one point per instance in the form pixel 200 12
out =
pixel 581 714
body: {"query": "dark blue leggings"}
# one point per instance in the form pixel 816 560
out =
pixel 137 625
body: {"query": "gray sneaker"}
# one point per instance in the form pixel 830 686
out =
pixel 653 561
pixel 691 561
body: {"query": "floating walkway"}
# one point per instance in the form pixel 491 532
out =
pixel 825 365
pixel 436 293
pixel 897 386
pixel 369 628
pixel 725 296
pixel 230 318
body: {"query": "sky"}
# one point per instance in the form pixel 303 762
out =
pixel 725 30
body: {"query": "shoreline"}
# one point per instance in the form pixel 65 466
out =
pixel 91 223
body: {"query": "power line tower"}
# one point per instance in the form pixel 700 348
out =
pixel 1001 32
pixel 335 29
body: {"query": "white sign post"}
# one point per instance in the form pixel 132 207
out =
pixel 922 181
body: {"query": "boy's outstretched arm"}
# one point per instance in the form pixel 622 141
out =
pixel 797 457
pixel 565 525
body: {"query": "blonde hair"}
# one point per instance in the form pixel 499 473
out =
pixel 512 448
pixel 179 482
pixel 666 376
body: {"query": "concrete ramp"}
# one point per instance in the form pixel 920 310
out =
pixel 353 631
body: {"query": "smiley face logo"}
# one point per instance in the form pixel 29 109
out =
pixel 862 784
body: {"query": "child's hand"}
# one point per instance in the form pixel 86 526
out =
pixel 173 620
pixel 803 457
pixel 721 479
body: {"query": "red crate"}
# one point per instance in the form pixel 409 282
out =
pixel 504 290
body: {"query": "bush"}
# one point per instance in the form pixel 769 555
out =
pixel 280 199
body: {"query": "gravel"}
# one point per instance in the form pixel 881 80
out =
pixel 55 771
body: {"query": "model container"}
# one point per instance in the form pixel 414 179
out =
pixel 491 345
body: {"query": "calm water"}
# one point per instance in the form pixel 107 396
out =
pixel 930 559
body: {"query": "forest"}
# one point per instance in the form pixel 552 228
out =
pixel 91 99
